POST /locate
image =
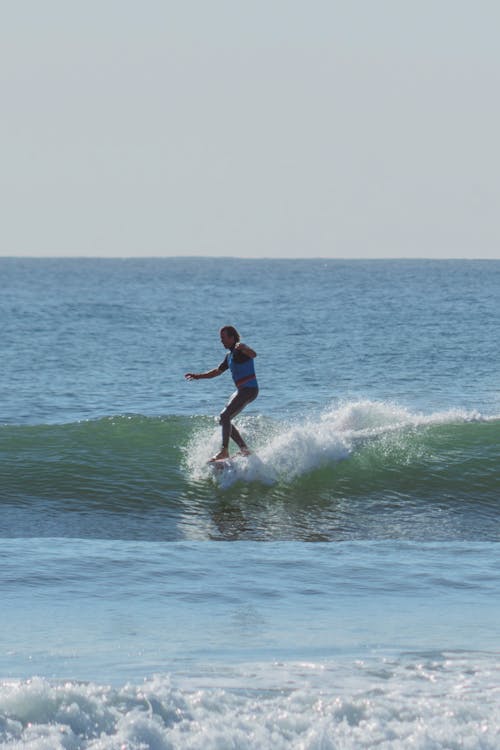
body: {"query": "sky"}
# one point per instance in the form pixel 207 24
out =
pixel 276 128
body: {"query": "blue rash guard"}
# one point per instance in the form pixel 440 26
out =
pixel 242 369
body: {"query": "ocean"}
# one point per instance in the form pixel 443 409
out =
pixel 338 589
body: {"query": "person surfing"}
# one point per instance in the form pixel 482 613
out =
pixel 240 361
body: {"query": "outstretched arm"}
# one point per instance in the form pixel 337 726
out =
pixel 202 375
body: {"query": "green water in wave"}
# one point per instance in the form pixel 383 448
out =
pixel 132 476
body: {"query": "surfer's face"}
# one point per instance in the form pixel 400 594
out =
pixel 226 340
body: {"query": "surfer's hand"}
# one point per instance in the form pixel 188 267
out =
pixel 191 376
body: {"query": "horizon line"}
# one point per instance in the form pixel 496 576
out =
pixel 247 257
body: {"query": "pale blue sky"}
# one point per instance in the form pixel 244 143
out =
pixel 278 128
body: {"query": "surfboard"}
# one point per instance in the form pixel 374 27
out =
pixel 218 464
pixel 223 466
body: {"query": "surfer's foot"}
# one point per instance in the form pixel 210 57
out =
pixel 221 455
pixel 245 451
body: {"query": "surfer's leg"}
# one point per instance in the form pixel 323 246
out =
pixel 234 406
pixel 238 401
pixel 235 435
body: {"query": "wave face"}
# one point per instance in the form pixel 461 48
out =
pixel 359 470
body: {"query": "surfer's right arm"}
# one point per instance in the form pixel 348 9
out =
pixel 202 375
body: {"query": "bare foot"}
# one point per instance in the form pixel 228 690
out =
pixel 220 456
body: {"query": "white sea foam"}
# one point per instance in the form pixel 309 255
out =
pixel 285 451
pixel 428 702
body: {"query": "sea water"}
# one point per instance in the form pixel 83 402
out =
pixel 337 589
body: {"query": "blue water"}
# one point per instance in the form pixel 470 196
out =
pixel 339 588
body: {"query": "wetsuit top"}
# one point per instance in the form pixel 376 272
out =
pixel 242 369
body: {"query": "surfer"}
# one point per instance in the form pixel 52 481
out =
pixel 239 360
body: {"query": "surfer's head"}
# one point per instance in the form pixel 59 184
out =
pixel 229 336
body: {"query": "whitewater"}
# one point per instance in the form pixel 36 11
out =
pixel 339 588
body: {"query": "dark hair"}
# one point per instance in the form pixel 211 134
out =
pixel 231 331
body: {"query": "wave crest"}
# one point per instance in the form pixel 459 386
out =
pixel 289 450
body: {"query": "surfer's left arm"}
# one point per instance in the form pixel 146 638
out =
pixel 244 349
